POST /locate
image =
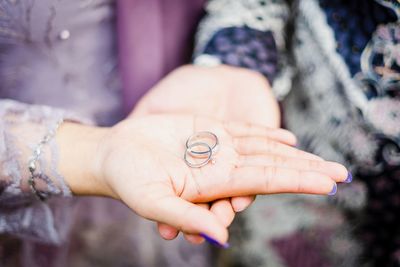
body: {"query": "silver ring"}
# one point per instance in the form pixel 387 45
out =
pixel 188 152
pixel 199 137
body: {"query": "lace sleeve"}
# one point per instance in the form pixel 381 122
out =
pixel 22 127
pixel 249 34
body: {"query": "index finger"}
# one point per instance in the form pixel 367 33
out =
pixel 253 145
pixel 262 180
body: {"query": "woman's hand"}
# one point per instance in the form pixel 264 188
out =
pixel 140 161
pixel 223 92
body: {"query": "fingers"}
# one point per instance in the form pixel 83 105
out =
pixel 241 203
pixel 167 232
pixel 193 238
pixel 255 180
pixel 187 217
pixel 223 210
pixel 260 145
pixel 239 129
pixel 334 170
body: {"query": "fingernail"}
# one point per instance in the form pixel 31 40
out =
pixel 214 242
pixel 334 190
pixel 349 178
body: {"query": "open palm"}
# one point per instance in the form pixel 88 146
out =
pixel 144 167
pixel 224 92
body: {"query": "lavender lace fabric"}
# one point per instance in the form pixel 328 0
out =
pixel 22 127
pixel 59 58
pixel 39 53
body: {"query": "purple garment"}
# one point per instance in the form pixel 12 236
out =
pixel 58 56
pixel 154 38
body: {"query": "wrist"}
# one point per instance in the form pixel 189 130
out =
pixel 78 151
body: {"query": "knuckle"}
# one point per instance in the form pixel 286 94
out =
pixel 299 185
pixel 269 174
pixel 300 177
pixel 313 164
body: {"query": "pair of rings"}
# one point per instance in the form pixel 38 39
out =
pixel 200 149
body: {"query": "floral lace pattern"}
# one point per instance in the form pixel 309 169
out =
pixel 61 55
pixel 22 127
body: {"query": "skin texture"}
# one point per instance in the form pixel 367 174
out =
pixel 139 161
pixel 196 91
pixel 223 92
pixel 226 93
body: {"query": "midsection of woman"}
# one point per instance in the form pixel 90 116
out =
pixel 60 54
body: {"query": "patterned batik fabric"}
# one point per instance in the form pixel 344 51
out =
pixel 245 47
pixel 342 102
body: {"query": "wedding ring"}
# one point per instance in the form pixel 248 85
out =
pixel 203 137
pixel 189 150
